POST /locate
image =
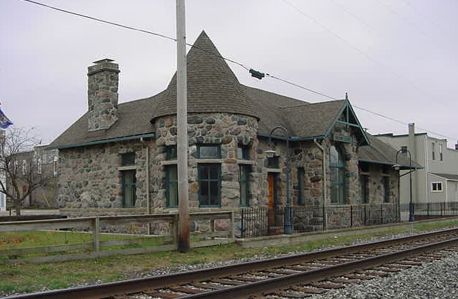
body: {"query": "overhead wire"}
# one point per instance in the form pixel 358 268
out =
pixel 360 51
pixel 224 58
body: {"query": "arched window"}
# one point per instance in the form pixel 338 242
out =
pixel 337 166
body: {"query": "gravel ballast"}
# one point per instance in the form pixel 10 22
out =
pixel 435 280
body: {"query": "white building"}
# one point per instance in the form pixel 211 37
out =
pixel 437 182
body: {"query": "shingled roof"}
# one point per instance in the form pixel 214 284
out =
pixel 212 86
pixel 380 152
pixel 134 120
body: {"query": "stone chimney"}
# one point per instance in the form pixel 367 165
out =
pixel 103 78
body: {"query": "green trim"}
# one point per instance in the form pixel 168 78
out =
pixel 168 182
pixel 403 167
pixel 292 138
pixel 336 119
pixel 104 141
pixel 207 183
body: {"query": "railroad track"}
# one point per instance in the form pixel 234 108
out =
pixel 295 276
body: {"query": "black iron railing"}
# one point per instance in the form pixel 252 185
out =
pixel 261 221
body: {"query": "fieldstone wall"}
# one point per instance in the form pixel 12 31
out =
pixel 226 130
pixel 376 189
pixel 89 177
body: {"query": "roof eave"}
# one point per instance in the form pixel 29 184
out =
pixel 103 141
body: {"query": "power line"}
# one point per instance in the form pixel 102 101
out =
pixel 224 58
pixel 130 28
pixel 100 20
pixel 362 52
pixel 300 86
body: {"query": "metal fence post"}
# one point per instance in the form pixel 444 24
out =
pixel 351 215
pixel 324 217
pixel 96 233
pixel 242 228
pixel 381 213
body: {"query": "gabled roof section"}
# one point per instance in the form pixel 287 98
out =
pixel 347 117
pixel 379 152
pixel 447 176
pixel 212 86
pixel 134 120
pixel 312 120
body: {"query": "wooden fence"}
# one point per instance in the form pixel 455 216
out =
pixel 93 228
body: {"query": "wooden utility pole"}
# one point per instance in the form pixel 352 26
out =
pixel 182 128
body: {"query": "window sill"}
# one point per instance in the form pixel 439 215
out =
pixel 169 162
pixel 246 162
pixel 209 160
pixel 130 167
pixel 277 170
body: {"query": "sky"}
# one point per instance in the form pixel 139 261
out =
pixel 397 58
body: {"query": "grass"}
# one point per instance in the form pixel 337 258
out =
pixel 24 278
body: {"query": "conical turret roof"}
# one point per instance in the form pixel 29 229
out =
pixel 212 86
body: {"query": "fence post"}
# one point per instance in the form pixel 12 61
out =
pixel 242 226
pixel 365 215
pixel 441 208
pixel 174 230
pixel 427 209
pixel 232 225
pixel 351 215
pixel 324 217
pixel 96 233
pixel 381 213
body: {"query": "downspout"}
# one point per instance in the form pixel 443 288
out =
pixel 324 182
pixel 148 201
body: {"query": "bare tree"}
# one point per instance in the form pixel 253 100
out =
pixel 21 176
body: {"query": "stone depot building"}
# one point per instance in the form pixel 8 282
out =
pixel 121 158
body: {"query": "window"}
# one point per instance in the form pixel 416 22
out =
pixel 24 167
pixel 386 189
pixel 39 166
pixel 129 186
pixel 363 167
pixel 364 181
pixel 171 186
pixel 441 157
pixel 243 152
pixel 171 152
pixel 209 184
pixel 128 159
pixel 436 186
pixel 209 151
pixel 433 150
pixel 300 186
pixel 273 162
pixel 337 166
pixel 245 185
pixel 54 166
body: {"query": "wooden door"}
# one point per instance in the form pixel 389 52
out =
pixel 271 202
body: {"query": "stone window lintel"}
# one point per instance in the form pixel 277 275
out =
pixel 168 162
pixel 130 167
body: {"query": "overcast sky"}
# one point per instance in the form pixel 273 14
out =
pixel 395 57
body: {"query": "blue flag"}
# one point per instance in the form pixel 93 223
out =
pixel 4 121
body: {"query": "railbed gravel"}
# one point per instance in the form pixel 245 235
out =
pixel 183 268
pixel 433 280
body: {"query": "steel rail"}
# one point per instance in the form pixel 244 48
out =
pixel 138 285
pixel 270 285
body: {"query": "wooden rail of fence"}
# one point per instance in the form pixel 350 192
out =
pixel 95 225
